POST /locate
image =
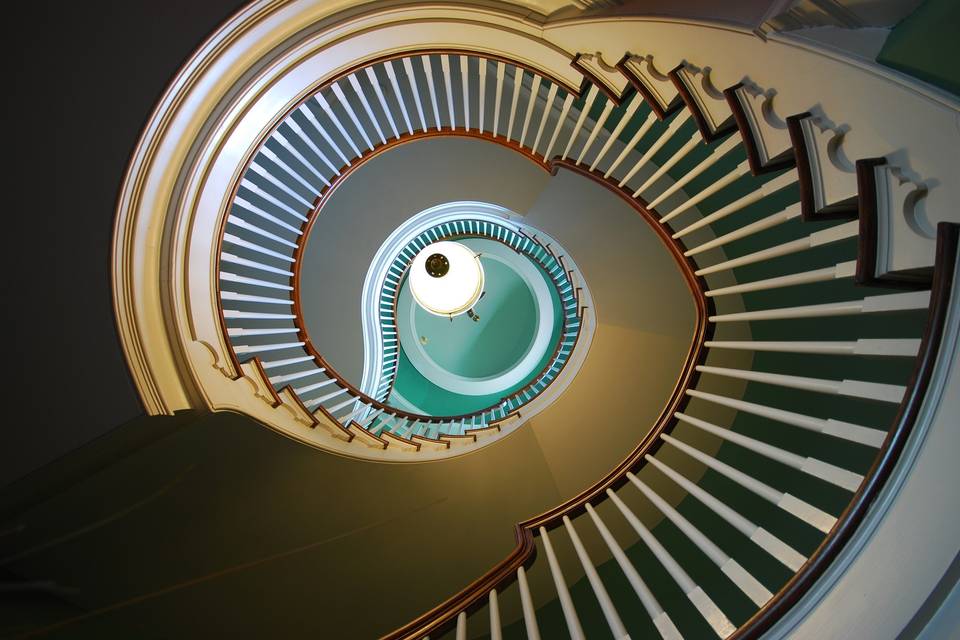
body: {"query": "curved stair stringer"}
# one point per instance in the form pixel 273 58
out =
pixel 403 444
pixel 880 190
pixel 209 358
pixel 471 599
pixel 775 79
pixel 171 360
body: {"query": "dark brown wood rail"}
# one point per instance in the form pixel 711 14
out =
pixel 345 171
pixel 505 571
pixel 948 240
pixel 322 199
pixel 557 347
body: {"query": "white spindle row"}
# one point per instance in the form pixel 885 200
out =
pixel 402 97
pixel 327 134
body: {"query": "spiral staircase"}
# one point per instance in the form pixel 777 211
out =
pixel 806 200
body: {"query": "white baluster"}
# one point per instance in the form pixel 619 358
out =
pixel 717 620
pixel 252 208
pixel 816 239
pixel 250 186
pixel 312 119
pixel 780 182
pixel 263 233
pixel 313 387
pixel 547 108
pixel 391 70
pixel 229 257
pixel 773 220
pixel 465 82
pixel 482 93
pixel 598 126
pixel 375 83
pixel 462 626
pixel 496 632
pixel 564 110
pixel 851 388
pixel 236 332
pixel 836 272
pixel 677 156
pixel 903 347
pixel 718 152
pixel 517 83
pixel 664 138
pixel 246 348
pixel 526 601
pixel 836 428
pixel 448 88
pixel 345 103
pixel 728 178
pixel 817 468
pixel 660 618
pixel 566 603
pixel 277 380
pixel 290 171
pixel 587 103
pixel 240 242
pixel 343 404
pixel 415 91
pixel 328 109
pixel 331 396
pixel 628 114
pixel 780 550
pixel 358 89
pixel 428 72
pixel 531 105
pixel 632 144
pixel 606 604
pixel 497 98
pixel 793 505
pixel 912 300
pixel 232 277
pixel 750 586
pixel 285 362
pixel 297 129
pixel 243 297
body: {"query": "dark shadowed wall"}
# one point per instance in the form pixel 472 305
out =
pixel 81 80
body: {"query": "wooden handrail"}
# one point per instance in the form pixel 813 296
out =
pixel 345 171
pixel 341 382
pixel 505 571
pixel 556 349
pixel 948 239
pixel 319 203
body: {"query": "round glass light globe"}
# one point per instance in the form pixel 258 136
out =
pixel 455 291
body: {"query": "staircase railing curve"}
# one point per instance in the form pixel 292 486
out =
pixel 677 140
pixel 732 187
pixel 299 164
pixel 551 264
pixel 588 151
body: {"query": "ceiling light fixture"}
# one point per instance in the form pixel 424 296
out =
pixel 446 278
